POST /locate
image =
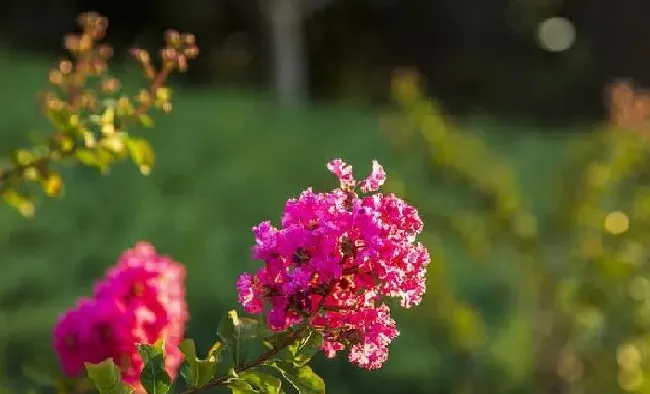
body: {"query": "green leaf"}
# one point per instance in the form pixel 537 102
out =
pixel 214 354
pixel 304 379
pixel 279 340
pixel 196 372
pixel 21 203
pixel 61 120
pixel 239 386
pixel 96 157
pixel 266 383
pixel 238 334
pixel 146 120
pixel 147 352
pixel 88 157
pixel 153 377
pixel 107 378
pixel 23 157
pixel 305 347
pixel 141 153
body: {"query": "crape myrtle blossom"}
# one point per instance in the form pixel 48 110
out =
pixel 141 299
pixel 334 258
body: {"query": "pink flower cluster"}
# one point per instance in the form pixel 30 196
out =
pixel 141 299
pixel 334 258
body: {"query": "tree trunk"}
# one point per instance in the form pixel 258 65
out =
pixel 288 51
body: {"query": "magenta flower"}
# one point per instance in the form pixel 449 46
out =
pixel 141 300
pixel 334 258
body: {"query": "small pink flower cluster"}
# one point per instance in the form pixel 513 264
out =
pixel 334 258
pixel 141 300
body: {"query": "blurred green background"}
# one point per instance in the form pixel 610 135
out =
pixel 511 187
pixel 225 161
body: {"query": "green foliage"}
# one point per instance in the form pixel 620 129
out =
pixel 580 263
pixel 241 337
pixel 305 347
pixel 201 374
pixel 303 379
pixel 106 376
pixel 154 378
pixel 253 381
pixel 288 358
pixel 240 386
pixel 195 371
pixel 92 120
pixel 141 153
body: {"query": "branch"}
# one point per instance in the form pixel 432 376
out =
pixel 72 109
pixel 56 153
pixel 266 356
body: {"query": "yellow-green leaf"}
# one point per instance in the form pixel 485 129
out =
pixel 141 153
pixel 195 371
pixel 305 347
pixel 107 378
pixel 266 383
pixel 238 386
pixel 146 120
pixel 87 157
pixel 303 379
pixel 23 157
pixel 153 377
pixel 16 200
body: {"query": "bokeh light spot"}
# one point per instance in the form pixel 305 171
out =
pixel 617 223
pixel 556 34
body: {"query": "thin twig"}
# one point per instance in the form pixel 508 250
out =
pixel 266 356
pixel 56 153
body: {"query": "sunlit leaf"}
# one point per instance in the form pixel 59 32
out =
pixel 21 203
pixel 154 378
pixel 305 347
pixel 61 120
pixel 88 157
pixel 264 382
pixel 196 372
pixel 107 378
pixel 239 386
pixel 141 153
pixel 240 336
pixel 146 120
pixel 304 379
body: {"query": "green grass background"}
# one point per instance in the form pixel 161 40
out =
pixel 225 160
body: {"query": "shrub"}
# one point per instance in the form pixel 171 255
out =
pixel 578 263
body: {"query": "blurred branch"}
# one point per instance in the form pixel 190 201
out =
pixel 90 119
